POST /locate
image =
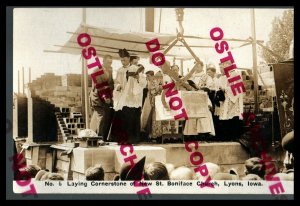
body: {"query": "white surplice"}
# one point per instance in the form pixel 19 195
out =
pixel 131 94
pixel 233 105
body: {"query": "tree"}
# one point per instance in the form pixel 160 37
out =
pixel 281 37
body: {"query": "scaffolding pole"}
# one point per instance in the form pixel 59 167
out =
pixel 23 83
pixel 254 57
pixel 18 82
pixel 84 81
pixel 29 78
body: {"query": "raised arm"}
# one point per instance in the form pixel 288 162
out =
pixel 174 76
pixel 189 75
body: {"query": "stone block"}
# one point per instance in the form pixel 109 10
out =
pixel 218 153
pixel 83 158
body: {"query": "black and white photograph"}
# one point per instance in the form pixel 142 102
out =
pixel 153 101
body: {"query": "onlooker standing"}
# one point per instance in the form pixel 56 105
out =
pixel 102 107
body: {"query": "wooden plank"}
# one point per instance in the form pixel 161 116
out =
pixel 35 155
pixel 49 162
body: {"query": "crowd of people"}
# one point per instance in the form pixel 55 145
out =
pixel 255 169
pixel 132 103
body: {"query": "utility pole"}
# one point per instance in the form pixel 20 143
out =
pixel 23 81
pixel 18 82
pixel 84 82
pixel 149 19
pixel 29 81
pixel 254 57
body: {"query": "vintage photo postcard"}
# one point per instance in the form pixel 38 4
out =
pixel 150 103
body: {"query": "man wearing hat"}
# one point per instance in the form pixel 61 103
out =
pixel 128 96
pixel 134 60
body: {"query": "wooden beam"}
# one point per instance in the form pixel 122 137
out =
pixel 114 39
pixel 230 39
pixel 170 46
pixel 79 48
pixel 109 47
pixel 254 57
pixel 162 45
pixel 149 19
pixel 99 53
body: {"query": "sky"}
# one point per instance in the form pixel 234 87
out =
pixel 39 29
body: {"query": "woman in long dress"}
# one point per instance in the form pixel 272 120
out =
pixel 149 125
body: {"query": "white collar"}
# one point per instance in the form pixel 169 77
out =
pixel 126 66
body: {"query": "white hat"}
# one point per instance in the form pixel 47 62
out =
pixel 210 65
